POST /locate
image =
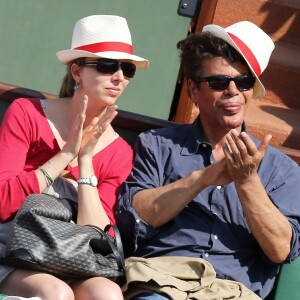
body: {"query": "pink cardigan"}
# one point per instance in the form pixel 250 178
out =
pixel 27 141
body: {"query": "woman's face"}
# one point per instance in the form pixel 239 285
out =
pixel 101 89
pixel 226 109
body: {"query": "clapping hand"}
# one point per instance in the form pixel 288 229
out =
pixel 242 155
pixel 95 130
pixel 83 141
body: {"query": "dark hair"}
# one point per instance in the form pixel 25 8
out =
pixel 68 83
pixel 196 47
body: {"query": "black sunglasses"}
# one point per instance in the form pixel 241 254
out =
pixel 221 82
pixel 111 66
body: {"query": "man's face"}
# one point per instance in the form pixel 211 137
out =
pixel 221 110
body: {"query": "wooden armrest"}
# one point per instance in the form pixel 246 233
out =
pixel 10 92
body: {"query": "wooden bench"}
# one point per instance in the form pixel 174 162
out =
pixel 129 125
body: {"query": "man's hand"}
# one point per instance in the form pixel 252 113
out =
pixel 217 173
pixel 242 155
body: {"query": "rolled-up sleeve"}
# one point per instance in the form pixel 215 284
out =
pixel 284 190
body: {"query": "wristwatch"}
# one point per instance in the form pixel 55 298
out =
pixel 92 180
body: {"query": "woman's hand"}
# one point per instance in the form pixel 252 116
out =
pixel 95 130
pixel 74 139
pixel 81 142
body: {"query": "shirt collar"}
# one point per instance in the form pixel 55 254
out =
pixel 195 138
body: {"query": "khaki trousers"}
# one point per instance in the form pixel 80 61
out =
pixel 181 278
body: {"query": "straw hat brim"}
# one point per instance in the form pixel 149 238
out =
pixel 219 32
pixel 65 56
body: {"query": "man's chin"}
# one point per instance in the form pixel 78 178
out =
pixel 233 124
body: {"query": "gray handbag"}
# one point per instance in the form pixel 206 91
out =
pixel 43 238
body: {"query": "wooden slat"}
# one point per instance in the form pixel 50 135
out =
pixel 186 111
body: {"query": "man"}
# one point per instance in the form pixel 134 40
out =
pixel 210 190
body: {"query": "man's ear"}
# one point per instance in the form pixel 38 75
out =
pixel 192 87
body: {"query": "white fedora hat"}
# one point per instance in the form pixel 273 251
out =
pixel 102 36
pixel 252 43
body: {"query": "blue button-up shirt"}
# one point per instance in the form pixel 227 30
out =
pixel 212 226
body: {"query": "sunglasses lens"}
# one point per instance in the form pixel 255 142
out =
pixel 244 83
pixel 128 69
pixel 218 83
pixel 107 66
pixel 221 83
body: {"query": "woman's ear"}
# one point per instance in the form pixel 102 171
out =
pixel 76 72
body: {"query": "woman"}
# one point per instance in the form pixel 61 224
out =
pixel 71 137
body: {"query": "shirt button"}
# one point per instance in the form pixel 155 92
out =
pixel 204 145
pixel 219 187
pixel 138 220
pixel 215 237
pixel 206 254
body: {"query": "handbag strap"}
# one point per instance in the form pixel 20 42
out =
pixel 117 249
pixel 118 239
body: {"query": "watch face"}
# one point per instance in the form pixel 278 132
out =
pixel 94 180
